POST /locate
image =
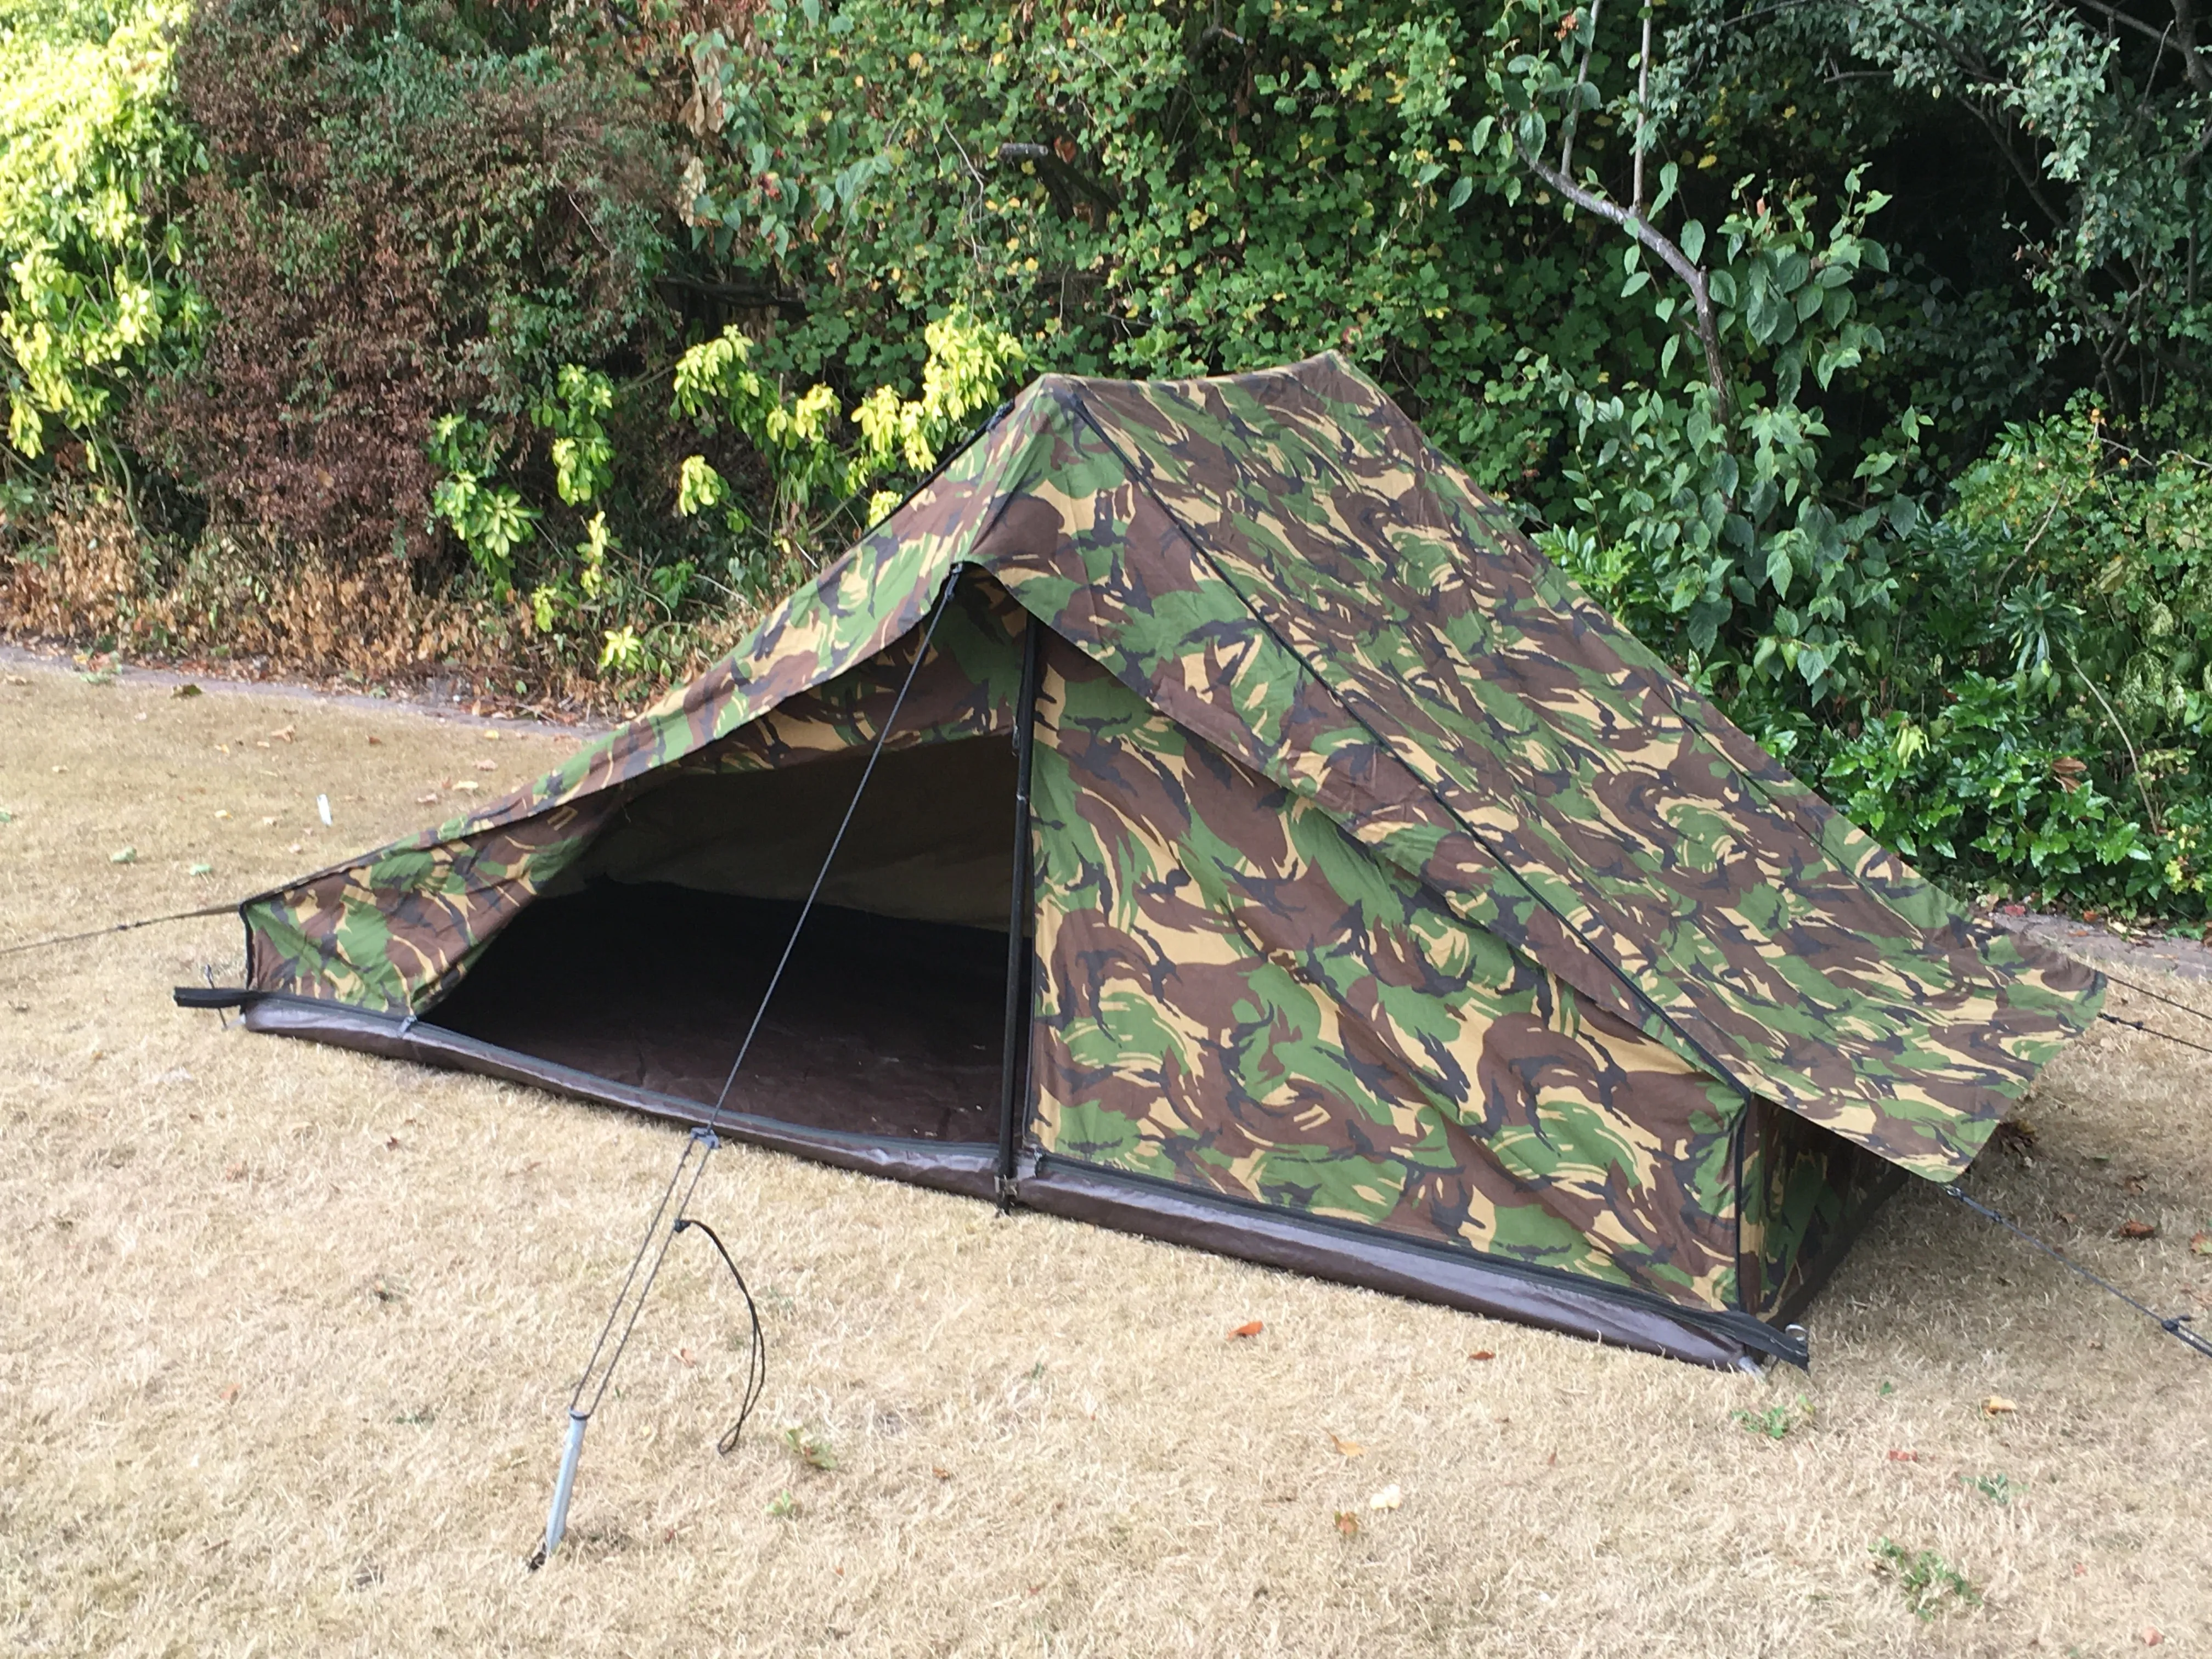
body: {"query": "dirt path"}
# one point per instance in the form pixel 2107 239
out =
pixel 286 1334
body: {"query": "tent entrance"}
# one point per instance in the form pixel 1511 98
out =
pixel 648 968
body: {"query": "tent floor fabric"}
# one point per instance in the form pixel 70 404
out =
pixel 880 1027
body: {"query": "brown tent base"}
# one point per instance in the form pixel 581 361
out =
pixel 1061 1186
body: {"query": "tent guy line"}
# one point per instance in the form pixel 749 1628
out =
pixel 703 1142
pixel 2177 1325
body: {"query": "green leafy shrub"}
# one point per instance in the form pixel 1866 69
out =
pixel 91 151
pixel 406 212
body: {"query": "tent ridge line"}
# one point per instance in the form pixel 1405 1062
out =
pixel 1199 547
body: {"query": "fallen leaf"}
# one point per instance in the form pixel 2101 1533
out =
pixel 468 785
pixel 2068 1217
pixel 942 1474
pixel 392 1143
pixel 375 740
pixel 222 812
pixel 123 855
pixel 297 848
pixel 266 821
pixel 1482 1353
pixel 284 733
pixel 233 1172
pixel 686 1356
pixel 229 1394
pixel 1904 1458
pixel 490 737
pixel 187 689
pixel 2152 1636
pixel 17 679
pixel 2135 1184
pixel 1997 1405
pixel 1388 1498
pixel 430 799
pixel 1251 1328
pixel 1347 1522
pixel 487 766
pixel 1348 1448
pixel 2135 1230
pixel 2200 1243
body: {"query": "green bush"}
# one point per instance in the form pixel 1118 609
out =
pixel 1854 351
pixel 91 152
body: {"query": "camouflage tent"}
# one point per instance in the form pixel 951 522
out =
pixel 1379 907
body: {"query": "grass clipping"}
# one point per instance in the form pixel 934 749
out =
pixel 286 1334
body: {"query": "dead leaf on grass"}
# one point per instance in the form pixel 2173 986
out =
pixel 1997 1405
pixel 1904 1458
pixel 233 1172
pixel 187 689
pixel 1347 1522
pixel 1348 1448
pixel 392 1143
pixel 229 1394
pixel 942 1474
pixel 1388 1498
pixel 2132 1229
pixel 1482 1353
pixel 374 739
pixel 687 1356
pixel 2151 1636
pixel 1249 1327
pixel 283 733
pixel 2200 1243
pixel 430 799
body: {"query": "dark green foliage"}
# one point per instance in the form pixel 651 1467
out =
pixel 405 211
pixel 1855 351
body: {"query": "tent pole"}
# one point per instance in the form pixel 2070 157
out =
pixel 1013 1070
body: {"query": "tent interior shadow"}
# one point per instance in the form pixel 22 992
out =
pixel 888 1025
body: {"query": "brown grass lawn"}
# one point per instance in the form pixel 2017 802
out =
pixel 286 1334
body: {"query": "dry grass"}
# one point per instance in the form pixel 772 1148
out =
pixel 285 1335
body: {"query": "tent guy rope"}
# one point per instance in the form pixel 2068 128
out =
pixel 224 910
pixel 699 1147
pixel 2175 1326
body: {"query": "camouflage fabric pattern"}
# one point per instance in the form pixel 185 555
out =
pixel 396 930
pixel 1235 995
pixel 1281 566
pixel 1802 1194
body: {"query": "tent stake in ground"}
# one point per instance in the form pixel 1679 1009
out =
pixel 703 1142
pixel 1389 913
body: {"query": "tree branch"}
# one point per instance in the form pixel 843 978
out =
pixel 1708 330
pixel 2192 60
pixel 2119 16
pixel 1642 110
pixel 1575 104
